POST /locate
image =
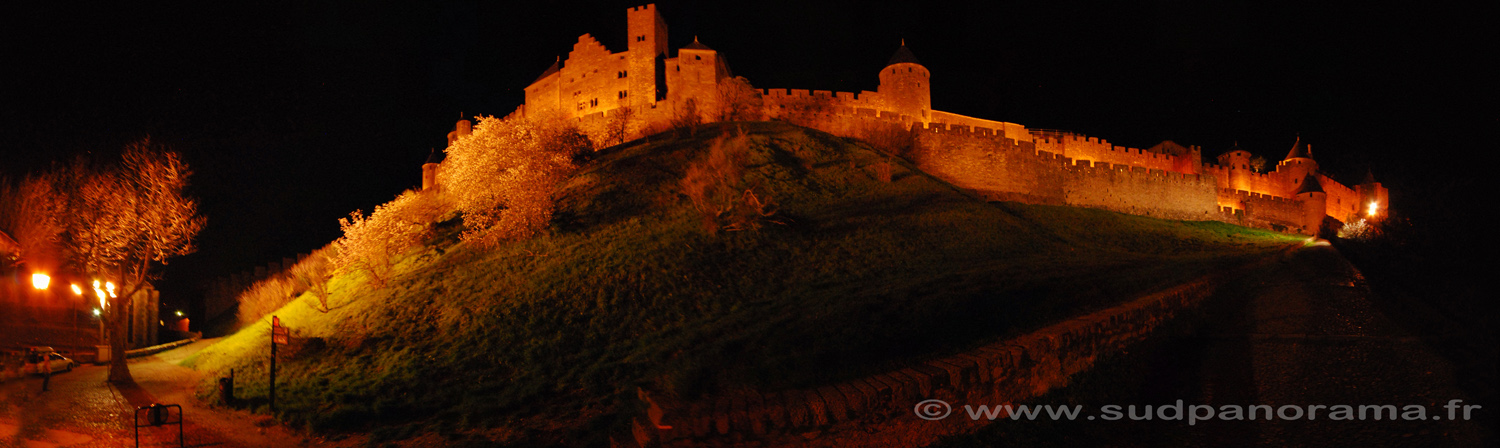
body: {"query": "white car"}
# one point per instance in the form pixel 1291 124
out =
pixel 34 360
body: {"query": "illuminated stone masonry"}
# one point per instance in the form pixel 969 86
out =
pixel 647 88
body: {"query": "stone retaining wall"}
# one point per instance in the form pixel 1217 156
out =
pixel 152 350
pixel 878 410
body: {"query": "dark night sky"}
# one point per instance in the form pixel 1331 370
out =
pixel 292 116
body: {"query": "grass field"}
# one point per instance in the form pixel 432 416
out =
pixel 545 340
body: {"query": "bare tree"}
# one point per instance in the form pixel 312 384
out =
pixel 618 129
pixel 124 221
pixel 739 101
pixel 687 118
pixel 1258 164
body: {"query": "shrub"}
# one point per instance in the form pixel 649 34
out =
pixel 716 187
pixel 313 273
pixel 266 296
pixel 1359 230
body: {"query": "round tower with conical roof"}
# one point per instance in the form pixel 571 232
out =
pixel 1314 203
pixel 1298 165
pixel 905 86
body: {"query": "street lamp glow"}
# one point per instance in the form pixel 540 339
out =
pixel 40 280
pixel 179 313
pixel 96 312
pixel 100 293
pixel 110 286
pixel 77 290
pixel 1373 209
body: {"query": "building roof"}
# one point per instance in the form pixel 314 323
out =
pixel 1299 149
pixel 903 56
pixel 1369 176
pixel 696 45
pixel 557 65
pixel 1310 184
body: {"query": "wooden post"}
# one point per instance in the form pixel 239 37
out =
pixel 275 323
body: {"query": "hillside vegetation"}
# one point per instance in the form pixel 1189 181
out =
pixel 823 271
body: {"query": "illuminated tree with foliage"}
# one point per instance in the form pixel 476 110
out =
pixel 31 214
pixel 502 175
pixel 371 243
pixel 125 220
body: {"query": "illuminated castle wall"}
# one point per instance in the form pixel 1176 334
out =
pixel 992 159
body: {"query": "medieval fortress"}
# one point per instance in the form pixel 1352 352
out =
pixel 645 86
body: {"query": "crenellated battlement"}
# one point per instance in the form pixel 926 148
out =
pixel 995 159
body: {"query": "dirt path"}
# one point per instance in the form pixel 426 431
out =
pixel 80 409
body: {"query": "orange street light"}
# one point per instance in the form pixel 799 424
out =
pixel 1373 209
pixel 40 280
pixel 100 293
pixel 110 286
pixel 77 290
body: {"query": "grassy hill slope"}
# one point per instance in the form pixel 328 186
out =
pixel 543 340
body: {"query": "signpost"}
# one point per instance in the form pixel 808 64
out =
pixel 278 337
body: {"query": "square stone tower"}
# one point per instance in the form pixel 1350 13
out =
pixel 647 45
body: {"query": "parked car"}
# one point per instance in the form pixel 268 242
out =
pixel 35 356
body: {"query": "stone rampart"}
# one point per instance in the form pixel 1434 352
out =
pixel 1263 210
pixel 1139 191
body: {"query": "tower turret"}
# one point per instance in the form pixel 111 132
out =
pixel 905 85
pixel 1237 161
pixel 1298 165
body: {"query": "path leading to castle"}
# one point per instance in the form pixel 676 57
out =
pixel 1302 331
pixel 81 410
pixel 1309 332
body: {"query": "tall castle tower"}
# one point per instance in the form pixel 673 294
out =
pixel 1238 162
pixel 647 46
pixel 1374 198
pixel 905 86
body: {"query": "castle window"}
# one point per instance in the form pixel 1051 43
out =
pixel 594 102
pixel 697 57
pixel 641 38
